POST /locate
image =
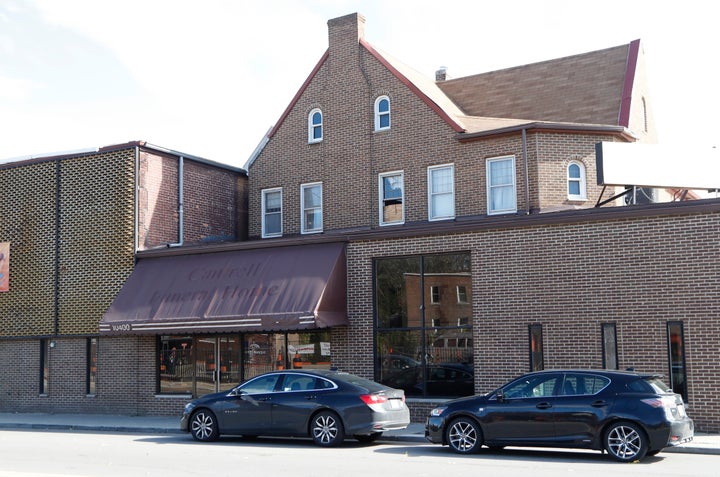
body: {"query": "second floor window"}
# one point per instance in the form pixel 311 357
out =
pixel 501 194
pixel 315 126
pixel 382 113
pixel 311 205
pixel 391 198
pixel 576 181
pixel 441 192
pixel 272 213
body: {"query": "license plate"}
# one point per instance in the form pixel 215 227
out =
pixel 395 403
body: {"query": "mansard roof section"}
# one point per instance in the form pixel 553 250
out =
pixel 589 88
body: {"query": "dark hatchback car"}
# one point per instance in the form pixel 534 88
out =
pixel 629 415
pixel 324 405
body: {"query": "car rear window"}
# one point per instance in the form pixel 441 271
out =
pixel 659 386
pixel 371 386
pixel 651 384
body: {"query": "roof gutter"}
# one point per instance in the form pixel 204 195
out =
pixel 555 127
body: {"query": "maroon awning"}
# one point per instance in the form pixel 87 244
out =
pixel 269 289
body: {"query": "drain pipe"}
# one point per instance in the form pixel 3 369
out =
pixel 527 175
pixel 181 200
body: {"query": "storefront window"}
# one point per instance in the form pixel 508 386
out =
pixel 424 340
pixel 676 352
pixel 204 364
pixel 91 365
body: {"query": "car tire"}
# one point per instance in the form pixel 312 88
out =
pixel 204 426
pixel 368 438
pixel 326 429
pixel 464 436
pixel 625 442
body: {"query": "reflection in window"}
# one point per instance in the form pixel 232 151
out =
pixel 391 198
pixel 537 359
pixel 424 355
pixel 676 353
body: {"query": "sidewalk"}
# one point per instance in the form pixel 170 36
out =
pixel 701 444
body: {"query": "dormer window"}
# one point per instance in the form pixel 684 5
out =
pixel 576 181
pixel 382 113
pixel 315 126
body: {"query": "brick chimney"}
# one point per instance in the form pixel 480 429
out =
pixel 344 34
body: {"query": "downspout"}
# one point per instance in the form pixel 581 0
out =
pixel 527 175
pixel 181 212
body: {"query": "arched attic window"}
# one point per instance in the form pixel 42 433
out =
pixel 382 113
pixel 315 126
pixel 576 181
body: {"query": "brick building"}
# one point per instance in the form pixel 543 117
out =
pixel 396 219
pixel 72 225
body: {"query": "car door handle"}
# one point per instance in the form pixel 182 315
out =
pixel 310 397
pixel 543 405
pixel 599 403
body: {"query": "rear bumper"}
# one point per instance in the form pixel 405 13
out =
pixel 673 434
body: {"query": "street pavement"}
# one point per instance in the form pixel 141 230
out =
pixel 702 443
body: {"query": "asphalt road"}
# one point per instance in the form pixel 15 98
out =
pixel 29 453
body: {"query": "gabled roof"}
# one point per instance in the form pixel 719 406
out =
pixel 590 91
pixel 590 88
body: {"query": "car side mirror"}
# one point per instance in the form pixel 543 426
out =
pixel 500 395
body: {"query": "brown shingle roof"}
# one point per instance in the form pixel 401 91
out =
pixel 586 88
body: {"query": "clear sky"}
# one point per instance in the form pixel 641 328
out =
pixel 210 77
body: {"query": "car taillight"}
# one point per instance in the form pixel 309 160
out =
pixel 668 402
pixel 370 399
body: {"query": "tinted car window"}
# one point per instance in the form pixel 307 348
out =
pixel 583 384
pixel 534 386
pixel 659 386
pixel 263 384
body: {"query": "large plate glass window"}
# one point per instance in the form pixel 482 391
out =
pixel 501 188
pixel 609 346
pixel 423 333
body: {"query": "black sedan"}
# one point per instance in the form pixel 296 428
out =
pixel 629 415
pixel 324 405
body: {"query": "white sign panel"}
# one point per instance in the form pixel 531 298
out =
pixel 657 165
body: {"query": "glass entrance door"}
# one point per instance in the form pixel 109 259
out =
pixel 217 363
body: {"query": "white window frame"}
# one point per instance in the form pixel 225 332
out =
pixel 311 126
pixel 580 180
pixel 379 114
pixel 381 197
pixel 492 187
pixel 464 292
pixel 304 209
pixel 265 193
pixel 434 291
pixel 432 215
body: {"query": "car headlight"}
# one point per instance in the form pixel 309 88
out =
pixel 437 411
pixel 189 406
